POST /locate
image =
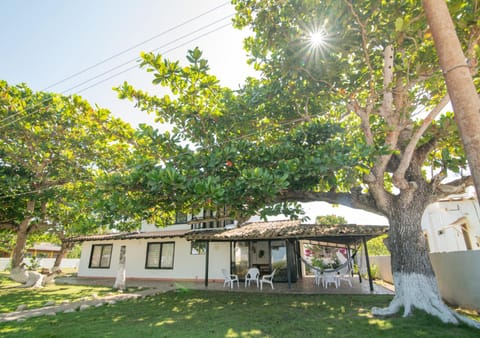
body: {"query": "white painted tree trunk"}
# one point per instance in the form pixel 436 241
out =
pixel 419 291
pixel 19 274
pixel 413 276
pixel 121 273
pixel 28 278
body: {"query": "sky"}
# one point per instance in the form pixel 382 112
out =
pixel 88 47
pixel 45 42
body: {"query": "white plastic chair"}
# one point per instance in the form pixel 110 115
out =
pixel 330 277
pixel 252 274
pixel 345 274
pixel 230 279
pixel 318 277
pixel 267 279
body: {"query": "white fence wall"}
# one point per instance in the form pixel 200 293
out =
pixel 457 275
pixel 44 262
pixel 384 267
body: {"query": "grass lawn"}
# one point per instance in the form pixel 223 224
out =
pixel 190 313
pixel 11 296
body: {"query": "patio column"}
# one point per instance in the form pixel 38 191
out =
pixel 289 268
pixel 207 254
pixel 367 260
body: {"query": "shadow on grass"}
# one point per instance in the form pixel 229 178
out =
pixel 188 313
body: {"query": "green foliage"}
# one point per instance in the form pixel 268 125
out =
pixel 75 252
pixel 377 247
pixel 290 132
pixel 374 271
pixel 330 220
pixel 52 150
pixel 33 264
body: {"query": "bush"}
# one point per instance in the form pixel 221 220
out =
pixel 34 264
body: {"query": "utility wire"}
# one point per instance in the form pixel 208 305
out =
pixel 136 66
pixel 134 46
pixel 119 54
pixel 153 50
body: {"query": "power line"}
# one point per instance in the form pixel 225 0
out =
pixel 134 67
pixel 153 50
pixel 119 54
pixel 134 46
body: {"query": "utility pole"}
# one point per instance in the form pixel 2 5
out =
pixel 460 87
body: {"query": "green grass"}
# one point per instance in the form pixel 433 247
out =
pixel 191 313
pixel 11 296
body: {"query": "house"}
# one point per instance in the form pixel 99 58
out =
pixel 452 227
pixel 197 248
pixel 453 224
pixel 39 250
pixel 43 250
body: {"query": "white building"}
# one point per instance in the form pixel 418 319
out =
pixel 198 248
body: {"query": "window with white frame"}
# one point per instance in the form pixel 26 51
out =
pixel 101 256
pixel 160 255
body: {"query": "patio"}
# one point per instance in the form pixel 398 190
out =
pixel 302 286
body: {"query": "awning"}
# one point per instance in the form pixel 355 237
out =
pixel 344 234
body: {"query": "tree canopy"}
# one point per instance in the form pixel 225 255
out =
pixel 52 147
pixel 350 117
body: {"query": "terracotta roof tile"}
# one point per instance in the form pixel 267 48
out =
pixel 130 235
pixel 290 229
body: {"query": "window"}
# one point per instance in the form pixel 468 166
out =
pixel 180 218
pixel 160 255
pixel 101 256
pixel 198 248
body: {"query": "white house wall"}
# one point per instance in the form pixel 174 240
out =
pixel 185 265
pixel 438 217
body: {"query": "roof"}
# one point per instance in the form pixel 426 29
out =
pixel 346 234
pixel 130 235
pixel 46 247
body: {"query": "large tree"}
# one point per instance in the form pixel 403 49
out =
pixel 346 110
pixel 49 143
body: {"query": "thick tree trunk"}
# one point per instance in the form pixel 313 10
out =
pixel 414 279
pixel 18 250
pixel 120 280
pixel 65 247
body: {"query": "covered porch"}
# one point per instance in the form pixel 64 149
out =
pixel 278 245
pixel 305 285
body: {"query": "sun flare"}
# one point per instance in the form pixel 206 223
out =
pixel 317 38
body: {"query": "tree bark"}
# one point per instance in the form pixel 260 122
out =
pixel 413 275
pixel 61 254
pixel 120 280
pixel 464 96
pixel 19 248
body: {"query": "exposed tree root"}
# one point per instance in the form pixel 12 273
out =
pixel 29 279
pixel 421 292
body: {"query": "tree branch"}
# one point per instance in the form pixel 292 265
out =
pixel 364 45
pixel 457 186
pixel 355 199
pixel 399 175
